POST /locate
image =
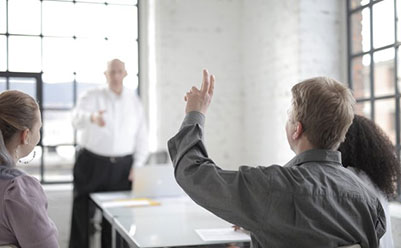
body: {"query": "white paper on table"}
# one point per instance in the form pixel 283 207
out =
pixel 126 203
pixel 113 196
pixel 222 234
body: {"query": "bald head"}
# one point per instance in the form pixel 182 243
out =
pixel 115 62
pixel 115 75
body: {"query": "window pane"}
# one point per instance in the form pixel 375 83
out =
pixel 385 116
pixel 58 55
pixel 58 162
pixel 357 3
pixel 24 16
pixel 383 23
pixel 57 128
pixel 127 51
pixel 360 68
pixel 82 87
pixel 92 1
pixel 363 108
pixel 398 21
pixel 91 60
pixel 58 91
pixel 3 84
pixel 121 21
pixel 3 19
pixel 57 18
pixel 32 163
pixel 127 2
pixel 25 54
pixel 384 72
pixel 27 85
pixel 93 25
pixel 3 52
pixel 360 30
pixel 399 69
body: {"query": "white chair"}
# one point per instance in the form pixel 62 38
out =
pixel 351 246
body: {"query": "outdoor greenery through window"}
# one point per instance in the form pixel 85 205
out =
pixel 56 49
pixel 374 37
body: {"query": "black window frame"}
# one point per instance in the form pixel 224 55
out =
pixel 350 56
pixel 39 80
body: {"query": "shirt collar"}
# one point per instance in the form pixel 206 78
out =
pixel 316 155
pixel 114 95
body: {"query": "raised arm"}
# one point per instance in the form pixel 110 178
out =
pixel 230 195
pixel 84 113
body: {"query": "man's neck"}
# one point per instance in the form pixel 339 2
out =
pixel 116 91
pixel 303 145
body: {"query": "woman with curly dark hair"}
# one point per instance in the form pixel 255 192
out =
pixel 368 151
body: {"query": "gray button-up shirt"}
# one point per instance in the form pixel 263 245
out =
pixel 311 202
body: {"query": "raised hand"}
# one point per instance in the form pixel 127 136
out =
pixel 199 100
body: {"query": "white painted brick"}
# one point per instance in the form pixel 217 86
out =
pixel 257 50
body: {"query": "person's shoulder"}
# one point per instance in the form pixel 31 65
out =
pixel 8 173
pixel 94 91
pixel 24 187
pixel 131 93
pixel 264 172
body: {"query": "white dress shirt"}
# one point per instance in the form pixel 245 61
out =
pixel 125 131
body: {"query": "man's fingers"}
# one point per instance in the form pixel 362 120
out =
pixel 205 81
pixel 211 87
pixel 194 89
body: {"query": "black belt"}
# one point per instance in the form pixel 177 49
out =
pixel 113 159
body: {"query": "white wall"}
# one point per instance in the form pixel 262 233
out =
pixel 257 50
pixel 189 36
pixel 285 42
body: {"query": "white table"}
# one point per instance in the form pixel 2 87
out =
pixel 170 224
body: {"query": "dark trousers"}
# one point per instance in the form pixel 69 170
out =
pixel 93 173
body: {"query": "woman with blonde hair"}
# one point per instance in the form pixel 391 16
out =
pixel 24 221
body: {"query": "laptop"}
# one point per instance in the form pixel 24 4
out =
pixel 156 181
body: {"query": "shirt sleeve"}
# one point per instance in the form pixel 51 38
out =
pixel 142 141
pixel 232 195
pixel 26 213
pixel 82 112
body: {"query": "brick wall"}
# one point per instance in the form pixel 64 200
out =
pixel 257 50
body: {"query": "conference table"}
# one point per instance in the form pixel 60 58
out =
pixel 163 222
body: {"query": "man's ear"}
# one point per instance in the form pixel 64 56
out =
pixel 298 130
pixel 24 137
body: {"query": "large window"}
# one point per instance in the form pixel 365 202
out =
pixel 56 49
pixel 374 37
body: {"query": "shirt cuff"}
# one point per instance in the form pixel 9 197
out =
pixel 194 117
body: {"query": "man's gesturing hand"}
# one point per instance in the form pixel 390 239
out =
pixel 98 119
pixel 199 100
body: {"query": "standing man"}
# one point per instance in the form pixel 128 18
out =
pixel 113 142
pixel 313 201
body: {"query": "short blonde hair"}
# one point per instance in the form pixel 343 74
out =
pixel 325 109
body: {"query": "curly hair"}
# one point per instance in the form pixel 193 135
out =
pixel 368 148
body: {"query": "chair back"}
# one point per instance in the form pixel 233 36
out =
pixel 351 246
